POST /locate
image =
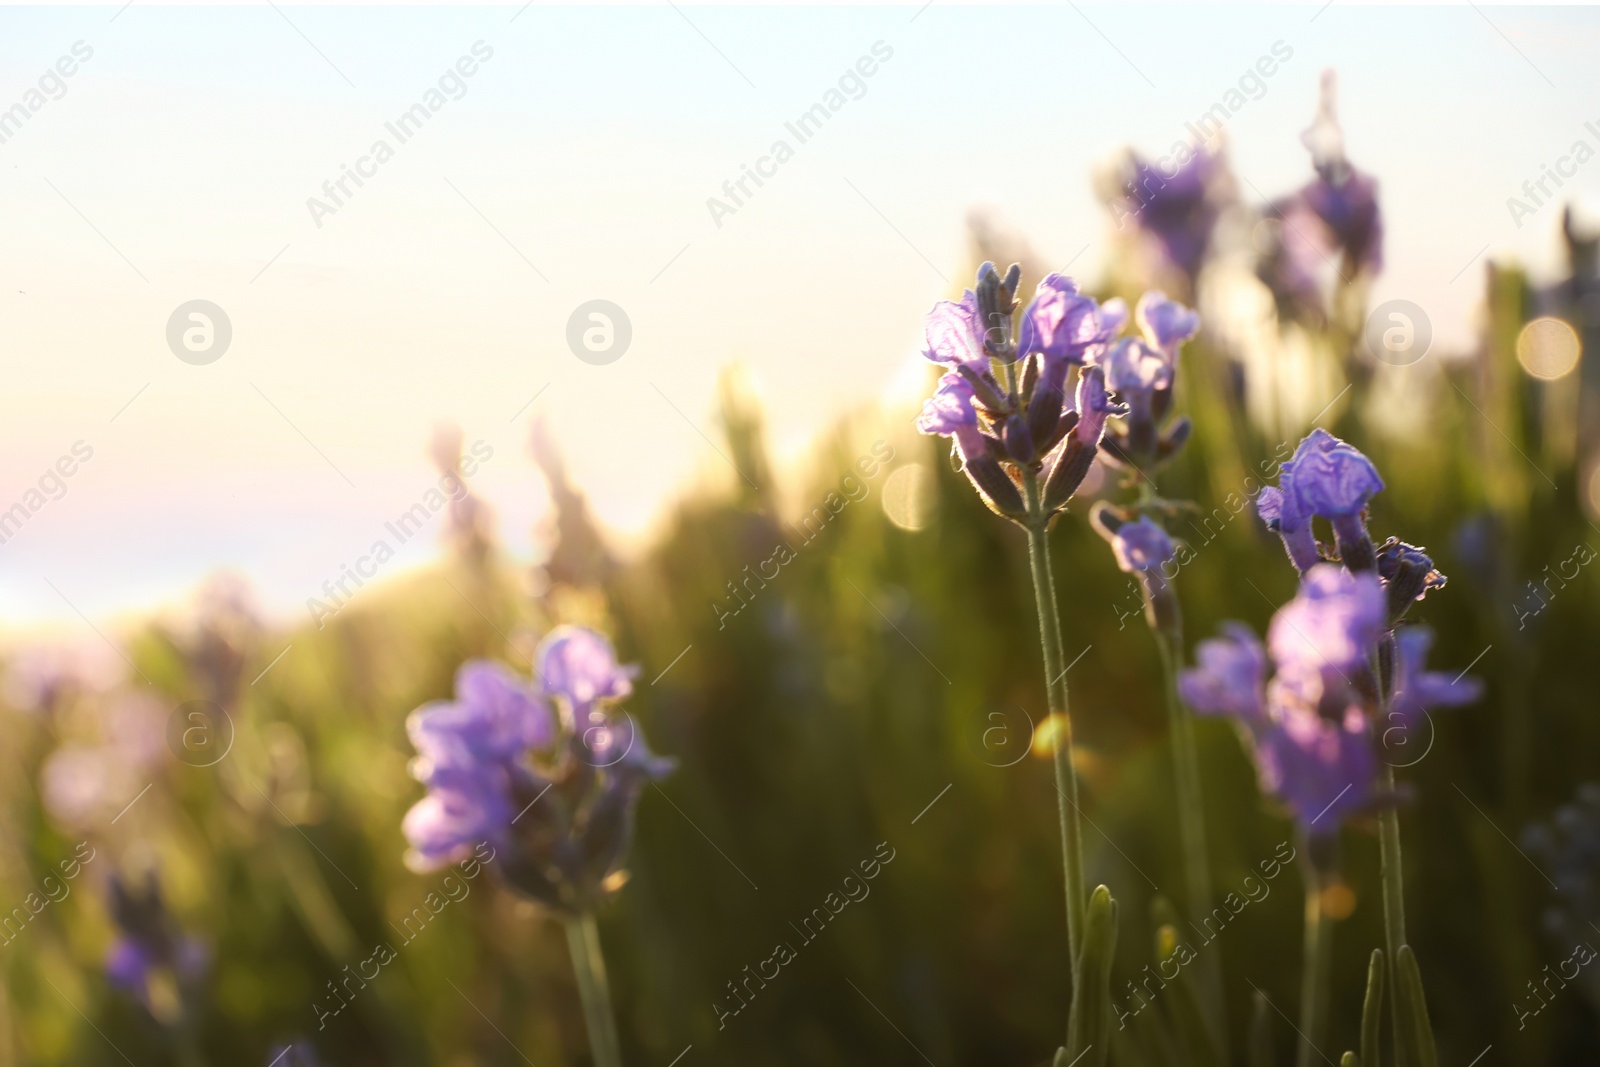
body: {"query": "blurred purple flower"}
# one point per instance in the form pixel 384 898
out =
pixel 152 959
pixel 1141 547
pixel 1179 210
pixel 1345 199
pixel 580 666
pixel 1334 622
pixel 1417 689
pixel 1166 324
pixel 1309 726
pixel 488 758
pixel 1323 770
pixel 1229 676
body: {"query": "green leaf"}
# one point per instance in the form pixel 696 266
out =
pixel 1372 1010
pixel 1089 1024
pixel 1412 1028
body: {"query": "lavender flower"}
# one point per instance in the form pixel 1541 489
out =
pixel 1327 478
pixel 1311 727
pixel 1179 211
pixel 1308 727
pixel 152 959
pixel 1141 547
pixel 489 757
pixel 1229 676
pixel 1323 770
pixel 1336 214
pixel 1141 371
pixel 1026 430
pixel 1334 623
pixel 1408 575
pixel 955 336
pixel 1345 199
pixel 950 413
pixel 1166 324
pixel 1417 689
pixel 1061 326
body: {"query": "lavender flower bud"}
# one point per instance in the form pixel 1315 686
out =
pixel 1143 549
pixel 1408 575
pixel 1018 441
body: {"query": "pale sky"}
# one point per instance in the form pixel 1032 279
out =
pixel 576 165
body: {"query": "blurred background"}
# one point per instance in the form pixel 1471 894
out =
pixel 198 520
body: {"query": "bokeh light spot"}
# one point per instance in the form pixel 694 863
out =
pixel 1548 348
pixel 909 494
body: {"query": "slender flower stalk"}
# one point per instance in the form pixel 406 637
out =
pixel 1026 438
pixel 1316 964
pixel 589 966
pixel 1055 680
pixel 1191 815
pixel 1142 372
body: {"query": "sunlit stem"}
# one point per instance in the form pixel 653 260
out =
pixel 583 941
pixel 1390 876
pixel 1191 818
pixel 1044 592
pixel 1315 966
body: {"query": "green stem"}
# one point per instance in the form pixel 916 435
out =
pixel 1044 592
pixel 589 966
pixel 1191 820
pixel 1394 905
pixel 1315 966
pixel 1390 877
